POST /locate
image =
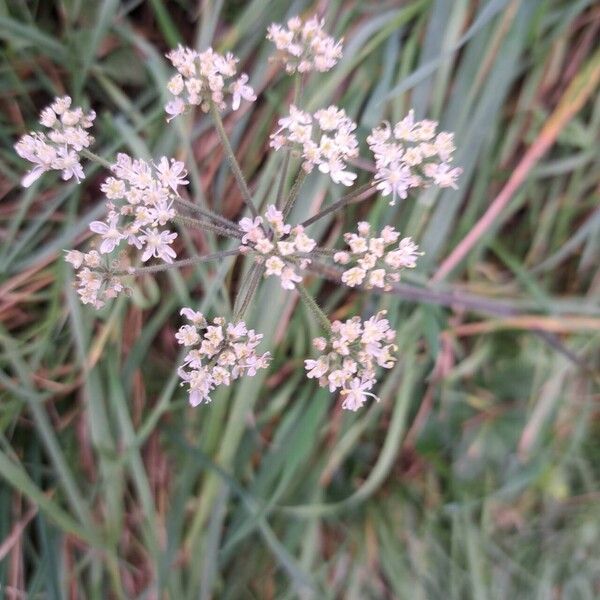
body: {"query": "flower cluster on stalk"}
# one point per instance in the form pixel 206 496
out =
pixel 139 201
pixel 59 149
pixel 373 261
pixel 219 353
pixel 97 277
pixel 324 140
pixel 350 358
pixel 279 246
pixel 411 155
pixel 304 46
pixel 205 78
pixel 142 198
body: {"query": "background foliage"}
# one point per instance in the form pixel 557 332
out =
pixel 476 476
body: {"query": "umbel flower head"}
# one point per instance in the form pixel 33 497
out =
pixel 411 155
pixel 97 278
pixel 140 200
pixel 59 149
pixel 376 261
pixel 324 140
pixel 350 358
pixel 304 46
pixel 219 353
pixel 281 247
pixel 205 78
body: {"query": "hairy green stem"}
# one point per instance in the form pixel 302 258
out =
pixel 207 226
pixel 284 171
pixel 207 213
pixel 186 262
pixel 233 163
pixel 294 193
pixel 314 308
pixel 254 276
pixel 102 161
pixel 358 195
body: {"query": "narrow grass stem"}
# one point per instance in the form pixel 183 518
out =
pixel 208 226
pixel 101 161
pixel 231 159
pixel 358 195
pixel 186 262
pixel 314 308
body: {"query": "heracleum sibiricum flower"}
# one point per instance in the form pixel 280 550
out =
pixel 204 78
pixel 59 149
pixel 304 46
pixel 281 247
pixel 218 354
pixel 141 199
pixel 411 155
pixel 350 357
pixel 96 278
pixel 376 261
pixel 324 140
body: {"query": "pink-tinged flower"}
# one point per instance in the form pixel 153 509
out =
pixel 203 79
pixel 240 90
pixel 289 278
pixel 252 229
pixel 219 354
pixel 409 158
pixel 304 46
pixel 355 394
pixel 110 232
pixel 324 140
pixel 158 244
pixel 351 357
pixel 281 255
pixel 171 174
pixel 59 149
pixel 376 260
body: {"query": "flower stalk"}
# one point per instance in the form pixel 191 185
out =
pixel 232 160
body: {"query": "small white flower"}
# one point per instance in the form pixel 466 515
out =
pixel 158 244
pixel 305 134
pixel 171 174
pixel 222 353
pixel 240 90
pixel 110 232
pixel 274 266
pixel 304 46
pixel 59 150
pixel 408 158
pixel 353 277
pixel 289 278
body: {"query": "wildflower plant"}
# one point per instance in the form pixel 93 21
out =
pixel 146 202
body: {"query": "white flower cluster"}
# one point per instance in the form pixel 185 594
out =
pixel 59 149
pixel 409 156
pixel 96 282
pixel 373 259
pixel 204 78
pixel 145 193
pixel 304 46
pixel 351 356
pixel 324 140
pixel 280 246
pixel 221 353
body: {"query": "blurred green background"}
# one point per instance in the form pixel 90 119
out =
pixel 476 476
